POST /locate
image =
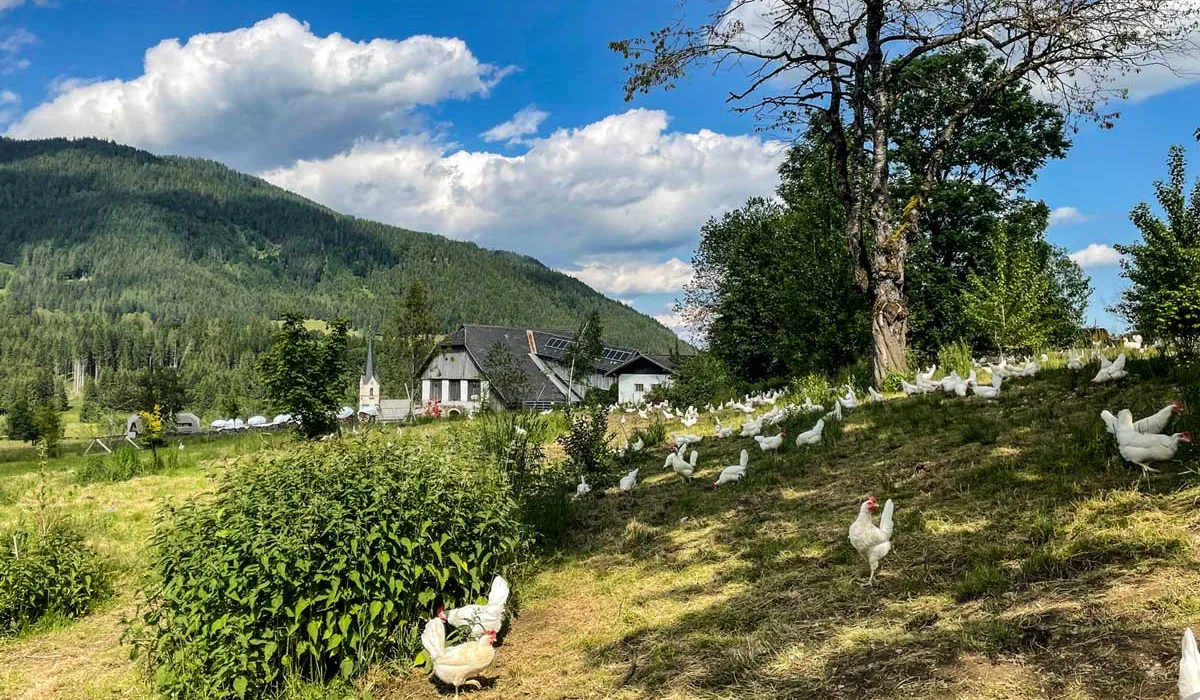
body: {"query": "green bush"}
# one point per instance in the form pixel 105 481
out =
pixel 699 379
pixel 514 440
pixel 814 387
pixel 652 435
pixel 894 381
pixel 314 564
pixel 586 442
pixel 55 573
pixel 955 357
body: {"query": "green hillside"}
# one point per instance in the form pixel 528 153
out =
pixel 95 227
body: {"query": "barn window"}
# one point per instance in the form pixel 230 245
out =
pixel 456 391
pixel 639 387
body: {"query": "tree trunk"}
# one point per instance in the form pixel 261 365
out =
pixel 889 328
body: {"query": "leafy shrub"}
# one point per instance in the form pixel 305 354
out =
pixel 586 441
pixel 894 381
pixel 811 386
pixel 699 379
pixel 955 357
pixel 314 564
pixel 653 434
pixel 515 440
pixel 50 573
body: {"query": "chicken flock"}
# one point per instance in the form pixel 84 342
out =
pixel 1141 442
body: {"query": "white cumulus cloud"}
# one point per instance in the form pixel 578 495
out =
pixel 265 95
pixel 524 123
pixel 638 278
pixel 623 183
pixel 1066 216
pixel 1096 255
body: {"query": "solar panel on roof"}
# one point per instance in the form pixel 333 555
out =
pixel 556 344
pixel 616 355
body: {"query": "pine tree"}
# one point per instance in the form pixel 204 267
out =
pixel 47 420
pixel 21 426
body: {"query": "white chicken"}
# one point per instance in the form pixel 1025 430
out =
pixel 875 395
pixel 812 407
pixel 1144 450
pixel 459 664
pixel 637 446
pixel 849 400
pixel 734 472
pixel 685 469
pixel 751 428
pixel 1189 667
pixel 770 444
pixel 629 481
pixel 984 391
pixel 811 436
pixel 583 488
pixel 872 542
pixel 1156 422
pixel 687 439
pixel 481 619
pixel 722 431
pixel 1112 371
pixel 689 421
pixel 836 413
pixel 1074 362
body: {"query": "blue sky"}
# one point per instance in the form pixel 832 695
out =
pixel 505 126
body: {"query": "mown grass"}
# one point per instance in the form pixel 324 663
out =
pixel 1028 563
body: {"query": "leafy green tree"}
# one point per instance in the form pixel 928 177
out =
pixel 21 425
pixel 699 379
pixel 505 377
pixel 799 59
pixel 1017 299
pixel 47 420
pixel 161 389
pixel 1163 297
pixel 415 336
pixel 305 373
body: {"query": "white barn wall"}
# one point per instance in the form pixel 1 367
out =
pixel 626 383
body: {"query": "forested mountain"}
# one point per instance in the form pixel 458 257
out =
pixel 118 258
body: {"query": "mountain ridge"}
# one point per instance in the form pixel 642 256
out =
pixel 95 227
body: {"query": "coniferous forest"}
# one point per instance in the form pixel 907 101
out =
pixel 114 261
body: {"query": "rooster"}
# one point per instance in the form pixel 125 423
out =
pixel 1189 667
pixel 458 664
pixel 734 472
pixel 872 543
pixel 811 436
pixel 482 619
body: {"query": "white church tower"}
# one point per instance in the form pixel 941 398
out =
pixel 368 384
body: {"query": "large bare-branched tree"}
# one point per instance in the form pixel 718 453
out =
pixel 843 59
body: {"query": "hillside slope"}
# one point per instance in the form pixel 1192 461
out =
pixel 98 228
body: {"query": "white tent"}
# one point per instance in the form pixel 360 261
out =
pixel 187 423
pixel 236 424
pixel 345 413
pixel 282 419
pixel 257 421
pixel 219 424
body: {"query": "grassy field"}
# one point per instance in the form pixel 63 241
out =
pixel 1028 563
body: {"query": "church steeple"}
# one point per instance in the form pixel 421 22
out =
pixel 369 370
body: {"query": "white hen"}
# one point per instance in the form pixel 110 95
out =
pixel 481 618
pixel 811 436
pixel 583 488
pixel 458 664
pixel 629 481
pixel 875 395
pixel 1189 667
pixel 1110 372
pixel 770 444
pixel 872 542
pixel 733 472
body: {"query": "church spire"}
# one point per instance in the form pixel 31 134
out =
pixel 369 370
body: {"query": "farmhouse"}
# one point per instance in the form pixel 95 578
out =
pixel 517 367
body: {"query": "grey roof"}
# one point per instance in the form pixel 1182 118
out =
pixel 545 344
pixel 663 362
